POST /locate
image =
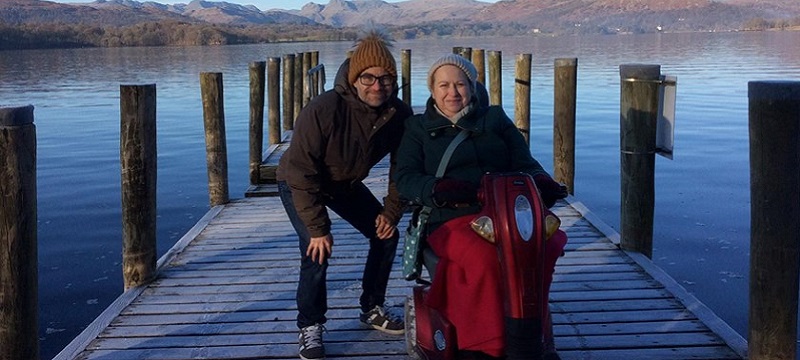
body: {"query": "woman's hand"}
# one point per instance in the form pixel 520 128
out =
pixel 383 227
pixel 320 248
pixel 454 193
pixel 551 190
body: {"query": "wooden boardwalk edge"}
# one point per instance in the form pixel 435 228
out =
pixel 93 330
pixel 733 339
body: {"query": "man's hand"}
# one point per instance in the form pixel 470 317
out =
pixel 320 248
pixel 383 227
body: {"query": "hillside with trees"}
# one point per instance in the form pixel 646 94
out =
pixel 162 33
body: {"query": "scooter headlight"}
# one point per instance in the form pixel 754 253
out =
pixel 523 213
pixel 484 227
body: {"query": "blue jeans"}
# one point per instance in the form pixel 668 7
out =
pixel 360 208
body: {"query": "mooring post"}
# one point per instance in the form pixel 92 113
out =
pixel 774 111
pixel 298 86
pixel 306 78
pixel 138 156
pixel 638 115
pixel 522 96
pixel 315 77
pixel 479 60
pixel 495 77
pixel 19 277
pixel 288 93
pixel 405 79
pixel 564 103
pixel 216 147
pixel 256 118
pixel 466 52
pixel 274 102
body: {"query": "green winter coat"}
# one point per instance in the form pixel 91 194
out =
pixel 494 145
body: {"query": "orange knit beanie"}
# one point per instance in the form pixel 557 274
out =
pixel 371 50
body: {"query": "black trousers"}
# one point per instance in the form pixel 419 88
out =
pixel 359 208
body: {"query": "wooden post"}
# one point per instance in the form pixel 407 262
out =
pixel 288 93
pixel 256 118
pixel 405 80
pixel 638 115
pixel 774 218
pixel 306 79
pixel 274 101
pixel 315 90
pixel 298 86
pixel 466 52
pixel 564 103
pixel 137 142
pixel 216 147
pixel 19 277
pixel 479 60
pixel 495 77
pixel 522 96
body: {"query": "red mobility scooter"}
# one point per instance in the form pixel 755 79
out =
pixel 515 219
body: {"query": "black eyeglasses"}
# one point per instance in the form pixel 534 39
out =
pixel 369 79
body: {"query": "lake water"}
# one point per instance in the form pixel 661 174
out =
pixel 701 234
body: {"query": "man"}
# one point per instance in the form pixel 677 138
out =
pixel 337 139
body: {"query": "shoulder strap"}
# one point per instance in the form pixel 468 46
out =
pixel 449 151
pixel 423 218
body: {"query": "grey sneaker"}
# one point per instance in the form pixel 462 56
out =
pixel 311 342
pixel 379 319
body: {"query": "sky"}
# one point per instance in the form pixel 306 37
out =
pixel 260 4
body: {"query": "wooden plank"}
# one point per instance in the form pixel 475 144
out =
pixel 261 190
pixel 194 306
pixel 641 340
pixel 623 317
pixel 697 352
pixel 599 304
pixel 388 350
pixel 267 170
pixel 252 338
pixel 559 329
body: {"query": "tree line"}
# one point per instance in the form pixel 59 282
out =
pixel 164 33
pixel 178 33
pixel 780 24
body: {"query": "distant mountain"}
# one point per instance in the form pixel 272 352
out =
pixel 433 17
pixel 344 13
pixel 614 16
pixel 211 12
pixel 15 12
pixel 229 13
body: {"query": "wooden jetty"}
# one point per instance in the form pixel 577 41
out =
pixel 226 291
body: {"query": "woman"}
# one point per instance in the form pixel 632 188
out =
pixel 468 264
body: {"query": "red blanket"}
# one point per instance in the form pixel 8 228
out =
pixel 466 290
